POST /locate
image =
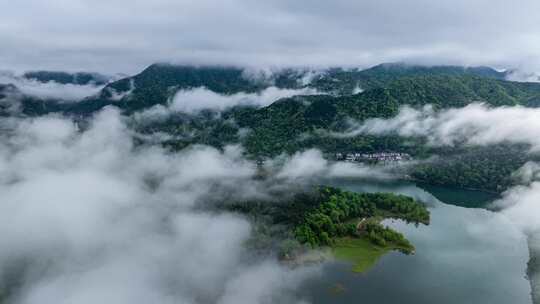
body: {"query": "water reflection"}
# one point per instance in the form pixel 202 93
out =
pixel 466 255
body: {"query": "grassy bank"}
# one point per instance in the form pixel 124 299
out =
pixel 363 253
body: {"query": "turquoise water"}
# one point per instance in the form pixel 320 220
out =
pixel 466 255
pixel 460 197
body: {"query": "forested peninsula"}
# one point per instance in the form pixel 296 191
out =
pixel 347 224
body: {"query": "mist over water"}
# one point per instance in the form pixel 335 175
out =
pixel 478 125
pixel 100 204
pixel 89 217
pixel 464 256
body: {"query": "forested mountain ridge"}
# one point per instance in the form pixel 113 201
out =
pixel 343 81
pixel 157 83
pixel 297 123
pixel 15 102
pixel 79 78
pixel 442 85
pixel 292 124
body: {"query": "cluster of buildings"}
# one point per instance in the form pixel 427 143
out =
pixel 373 157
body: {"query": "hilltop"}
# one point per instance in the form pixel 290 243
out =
pixel 301 122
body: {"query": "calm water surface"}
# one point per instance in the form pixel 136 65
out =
pixel 466 255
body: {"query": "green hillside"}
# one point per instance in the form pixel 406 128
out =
pixel 302 122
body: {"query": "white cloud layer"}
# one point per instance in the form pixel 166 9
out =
pixel 195 100
pixel 475 124
pixel 521 203
pixel 478 124
pixel 310 164
pixel 50 89
pixel 523 76
pixel 88 217
pixel 126 36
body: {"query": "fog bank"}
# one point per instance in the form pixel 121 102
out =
pixel 51 89
pixel 474 124
pixel 87 216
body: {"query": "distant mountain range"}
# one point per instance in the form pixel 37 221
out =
pixel 79 78
pixel 157 83
pixel 295 123
pixel 408 84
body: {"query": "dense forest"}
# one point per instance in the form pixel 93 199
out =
pixel 80 78
pixel 487 168
pixel 302 122
pixel 332 218
pixel 444 86
pixel 321 216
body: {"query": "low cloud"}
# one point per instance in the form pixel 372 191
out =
pixel 523 76
pixel 475 124
pixel 50 90
pixel 119 95
pixel 86 216
pixel 479 124
pixel 195 100
pixel 267 75
pixel 311 164
pixel 521 203
pixel 10 100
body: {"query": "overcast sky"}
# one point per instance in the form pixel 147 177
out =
pixel 127 35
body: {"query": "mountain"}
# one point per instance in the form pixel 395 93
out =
pixel 292 124
pixel 158 83
pixel 386 88
pixel 80 78
pixel 15 102
pixel 344 81
pixel 442 86
pixel 7 105
pixel 302 122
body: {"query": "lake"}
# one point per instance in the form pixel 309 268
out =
pixel 466 255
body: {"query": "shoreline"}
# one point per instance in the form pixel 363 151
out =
pixel 420 182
